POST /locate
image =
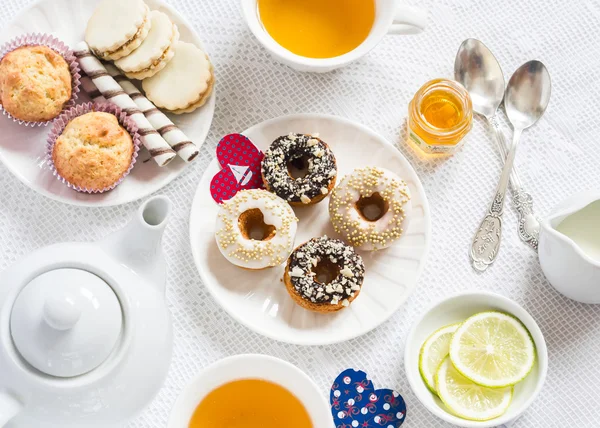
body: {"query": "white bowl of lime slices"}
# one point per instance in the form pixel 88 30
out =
pixel 476 359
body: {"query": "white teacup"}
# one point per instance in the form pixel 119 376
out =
pixel 252 366
pixel 390 18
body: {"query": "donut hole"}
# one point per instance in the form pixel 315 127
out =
pixel 297 166
pixel 326 271
pixel 372 208
pixel 252 225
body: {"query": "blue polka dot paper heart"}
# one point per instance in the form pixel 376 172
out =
pixel 355 403
pixel 240 160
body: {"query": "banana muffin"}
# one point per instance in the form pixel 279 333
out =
pixel 35 83
pixel 93 152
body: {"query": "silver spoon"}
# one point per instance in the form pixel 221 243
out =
pixel 476 68
pixel 526 99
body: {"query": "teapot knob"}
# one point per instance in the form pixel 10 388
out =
pixel 61 312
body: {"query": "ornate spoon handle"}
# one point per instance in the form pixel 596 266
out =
pixel 486 242
pixel 529 225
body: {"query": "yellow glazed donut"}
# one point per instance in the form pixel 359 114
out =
pixel 256 229
pixel 369 208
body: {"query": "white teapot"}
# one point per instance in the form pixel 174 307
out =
pixel 569 247
pixel 85 333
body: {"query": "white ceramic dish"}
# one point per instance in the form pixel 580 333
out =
pixel 391 17
pixel 259 300
pixel 457 308
pixel 22 149
pixel 252 367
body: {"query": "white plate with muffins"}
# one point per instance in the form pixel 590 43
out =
pixel 334 246
pixel 24 143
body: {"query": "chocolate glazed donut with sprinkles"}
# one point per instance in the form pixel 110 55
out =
pixel 299 168
pixel 324 275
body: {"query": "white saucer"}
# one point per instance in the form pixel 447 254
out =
pixel 259 300
pixel 22 149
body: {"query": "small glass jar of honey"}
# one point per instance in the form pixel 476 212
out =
pixel 439 116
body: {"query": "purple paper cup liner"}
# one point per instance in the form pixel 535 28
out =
pixel 37 39
pixel 62 121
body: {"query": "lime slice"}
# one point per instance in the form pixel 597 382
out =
pixel 433 352
pixel 468 400
pixel 492 349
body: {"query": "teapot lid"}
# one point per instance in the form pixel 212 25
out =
pixel 66 322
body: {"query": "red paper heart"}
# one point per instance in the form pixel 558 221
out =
pixel 240 162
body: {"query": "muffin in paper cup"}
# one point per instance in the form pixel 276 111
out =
pixel 82 157
pixel 39 39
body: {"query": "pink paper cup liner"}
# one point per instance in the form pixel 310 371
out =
pixel 61 122
pixel 37 39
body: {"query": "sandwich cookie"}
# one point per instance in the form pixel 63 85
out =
pixel 155 51
pixel 185 83
pixel 117 28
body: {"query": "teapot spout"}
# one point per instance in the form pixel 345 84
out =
pixel 139 245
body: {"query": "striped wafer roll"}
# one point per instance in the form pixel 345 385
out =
pixel 184 147
pixel 90 89
pixel 158 148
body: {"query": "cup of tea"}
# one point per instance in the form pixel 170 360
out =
pixel 251 390
pixel 320 36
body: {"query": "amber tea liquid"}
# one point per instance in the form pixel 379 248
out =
pixel 318 28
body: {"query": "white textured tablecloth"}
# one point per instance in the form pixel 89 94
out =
pixel 559 156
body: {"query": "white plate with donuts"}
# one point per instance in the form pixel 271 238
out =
pixel 259 299
pixel 23 149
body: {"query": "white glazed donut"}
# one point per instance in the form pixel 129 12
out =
pixel 256 229
pixel 369 208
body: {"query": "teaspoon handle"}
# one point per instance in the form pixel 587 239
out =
pixel 503 147
pixel 486 242
pixel 528 224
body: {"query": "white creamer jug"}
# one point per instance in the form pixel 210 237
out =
pixel 569 248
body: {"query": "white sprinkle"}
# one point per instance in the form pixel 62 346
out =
pixel 335 301
pixel 324 190
pixel 312 142
pixel 355 287
pixel 347 272
pixel 318 152
pixel 345 303
pixel 297 272
pixel 314 262
pixel 300 254
pixel 315 134
pixel 329 289
pixel 305 199
pixel 292 136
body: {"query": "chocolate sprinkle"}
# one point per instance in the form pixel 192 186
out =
pixel 344 286
pixel 322 169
